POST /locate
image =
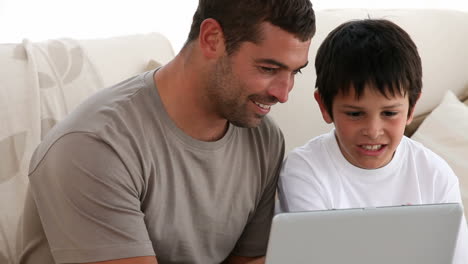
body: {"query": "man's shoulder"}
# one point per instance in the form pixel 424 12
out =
pixel 60 146
pixel 269 125
pixel 104 117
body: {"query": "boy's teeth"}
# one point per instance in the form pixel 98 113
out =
pixel 372 147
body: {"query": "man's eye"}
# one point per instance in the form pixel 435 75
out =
pixel 297 71
pixel 267 70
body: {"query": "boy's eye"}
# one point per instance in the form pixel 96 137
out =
pixel 389 113
pixel 354 114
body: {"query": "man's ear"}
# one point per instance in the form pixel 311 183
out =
pixel 211 39
pixel 411 114
pixel 326 116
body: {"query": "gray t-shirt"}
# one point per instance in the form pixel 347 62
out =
pixel 117 179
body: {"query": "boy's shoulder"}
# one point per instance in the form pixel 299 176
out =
pixel 314 149
pixel 417 152
pixel 413 147
pixel 316 143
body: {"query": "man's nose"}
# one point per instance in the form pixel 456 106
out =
pixel 280 90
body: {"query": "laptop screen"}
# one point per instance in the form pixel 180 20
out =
pixel 414 234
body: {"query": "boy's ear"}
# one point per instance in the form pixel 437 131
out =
pixel 211 39
pixel 326 116
pixel 411 114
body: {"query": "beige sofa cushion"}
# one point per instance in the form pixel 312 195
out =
pixel 445 131
pixel 417 121
pixel 152 64
pixel 119 58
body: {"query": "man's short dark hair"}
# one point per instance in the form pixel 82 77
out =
pixel 375 52
pixel 241 19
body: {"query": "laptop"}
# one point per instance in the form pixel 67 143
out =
pixel 413 234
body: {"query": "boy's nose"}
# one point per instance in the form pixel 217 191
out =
pixel 373 130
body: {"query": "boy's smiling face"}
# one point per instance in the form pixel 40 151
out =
pixel 368 129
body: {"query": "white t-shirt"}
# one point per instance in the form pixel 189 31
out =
pixel 317 176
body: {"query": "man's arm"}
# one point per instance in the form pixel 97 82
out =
pixel 136 260
pixel 244 260
pixel 152 260
pixel 88 202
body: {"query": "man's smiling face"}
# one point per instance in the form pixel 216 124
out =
pixel 248 82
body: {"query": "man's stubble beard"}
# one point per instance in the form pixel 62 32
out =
pixel 226 91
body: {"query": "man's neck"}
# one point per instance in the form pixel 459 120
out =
pixel 181 86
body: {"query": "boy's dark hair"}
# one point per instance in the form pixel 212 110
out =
pixel 370 51
pixel 240 19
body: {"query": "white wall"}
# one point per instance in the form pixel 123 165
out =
pixel 44 19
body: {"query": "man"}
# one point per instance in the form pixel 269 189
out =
pixel 180 164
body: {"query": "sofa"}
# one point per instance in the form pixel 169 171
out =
pixel 41 82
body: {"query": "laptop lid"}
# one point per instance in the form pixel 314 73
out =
pixel 415 234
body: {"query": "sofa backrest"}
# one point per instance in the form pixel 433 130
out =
pixel 121 57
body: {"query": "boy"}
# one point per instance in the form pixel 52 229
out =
pixel 368 81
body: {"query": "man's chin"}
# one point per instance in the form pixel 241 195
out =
pixel 251 123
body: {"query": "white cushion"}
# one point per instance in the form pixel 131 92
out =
pixel 445 131
pixel 121 57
